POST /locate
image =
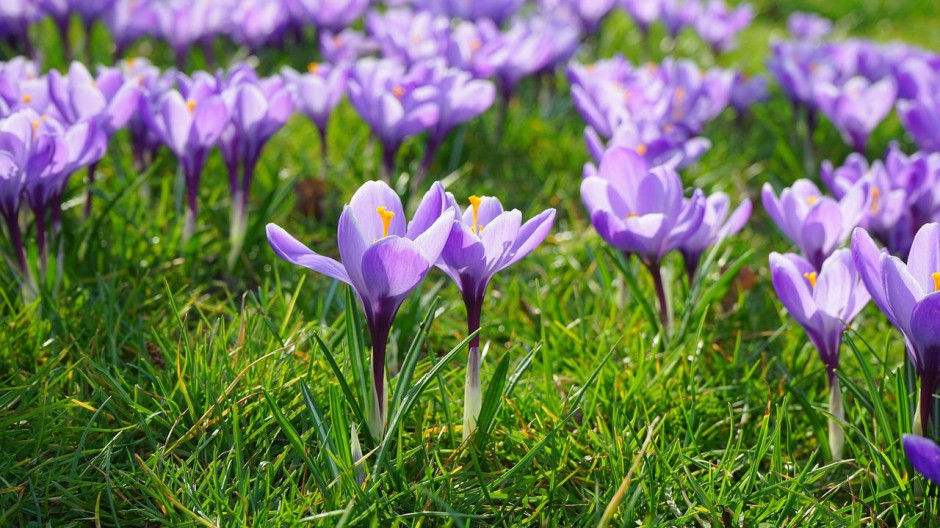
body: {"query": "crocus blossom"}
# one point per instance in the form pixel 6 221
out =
pixel 639 210
pixel 856 107
pixel 485 240
pixel 316 94
pixel 907 294
pixel 816 224
pixel 190 123
pixel 823 303
pixel 396 103
pixel 718 223
pixel 257 108
pixel 381 258
pixel 924 455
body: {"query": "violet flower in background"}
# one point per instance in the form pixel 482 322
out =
pixel 485 240
pixel 316 94
pixel 496 10
pixel 808 26
pixel 22 86
pixel 892 191
pixel 643 12
pixel 823 302
pixel 256 23
pixel 460 98
pixel 15 18
pixel 153 83
pixel 106 99
pixel 381 259
pixel 23 155
pixel 924 455
pixel 921 119
pixel 907 294
pixel 76 147
pixel 477 48
pixel 718 223
pixel 409 36
pixel 815 223
pixel 257 108
pixel 747 90
pixel 528 51
pixel 346 46
pixel 190 123
pixel 639 210
pixel 129 20
pixel 856 107
pixel 718 25
pixel 396 103
pixel 330 15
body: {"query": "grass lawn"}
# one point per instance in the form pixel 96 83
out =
pixel 158 389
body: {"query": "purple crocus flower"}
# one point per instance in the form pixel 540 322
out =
pixel 381 259
pixel 641 211
pixel 718 223
pixel 22 87
pixel 22 155
pixel 472 256
pixel 129 20
pixel 409 36
pixel 747 90
pixel 529 51
pixel 921 118
pixel 346 46
pixel 460 98
pixel 856 107
pixel 255 23
pixel 496 10
pixel 153 84
pixel 718 25
pixel 643 12
pixel 106 99
pixel 816 224
pixel 396 103
pixel 190 123
pixel 892 189
pixel 823 302
pixel 476 47
pixel 75 147
pixel 316 94
pixel 330 15
pixel 257 108
pixel 808 26
pixel 924 455
pixel 907 294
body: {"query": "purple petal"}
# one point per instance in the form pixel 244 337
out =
pixel 364 205
pixel 291 250
pixel 924 455
pixel 393 267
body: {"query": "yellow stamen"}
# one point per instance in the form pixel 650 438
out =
pixel 475 45
pixel 875 202
pixel 632 215
pixel 679 94
pixel 312 67
pixel 398 91
pixel 386 216
pixel 35 127
pixel 475 203
pixel 936 281
pixel 811 277
pixel 667 128
pixel 812 199
pixel 191 105
pixel 27 98
pixel 641 149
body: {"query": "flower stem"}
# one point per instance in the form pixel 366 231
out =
pixel 837 412
pixel 379 411
pixel 88 191
pixel 473 393
pixel 656 271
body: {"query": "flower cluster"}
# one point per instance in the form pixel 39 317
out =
pixel 384 258
pixel 656 110
pixel 713 21
pixel 855 83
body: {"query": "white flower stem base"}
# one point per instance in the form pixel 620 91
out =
pixel 473 393
pixel 836 434
pixel 377 416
